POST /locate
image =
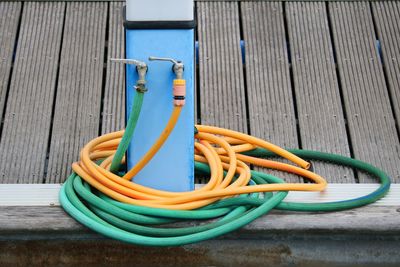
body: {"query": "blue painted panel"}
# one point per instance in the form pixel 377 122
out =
pixel 172 167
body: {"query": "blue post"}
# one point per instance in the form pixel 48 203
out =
pixel 172 168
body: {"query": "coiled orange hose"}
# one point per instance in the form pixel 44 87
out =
pixel 215 146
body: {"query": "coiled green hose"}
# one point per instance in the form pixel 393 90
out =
pixel 136 224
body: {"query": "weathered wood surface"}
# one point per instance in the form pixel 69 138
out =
pixel 79 90
pixel 114 91
pixel 387 15
pixel 321 120
pixel 18 221
pixel 47 195
pixel 10 14
pixel 366 99
pixel 60 54
pixel 198 0
pixel 222 91
pixel 271 107
pixel 270 99
pixel 288 74
pixel 25 131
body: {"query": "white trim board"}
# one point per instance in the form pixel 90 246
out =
pixel 47 194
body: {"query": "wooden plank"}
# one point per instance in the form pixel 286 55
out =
pixel 54 222
pixel 77 110
pixel 28 115
pixel 319 108
pixel 114 92
pixel 198 0
pixel 222 92
pixel 271 107
pixel 9 17
pixel 372 127
pixel 387 16
pixel 23 195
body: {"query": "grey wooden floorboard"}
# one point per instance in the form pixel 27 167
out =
pixel 387 15
pixel 372 126
pixel 319 108
pixel 114 92
pixel 77 110
pixel 9 17
pixel 28 113
pixel 271 107
pixel 221 71
pixel 26 221
pixel 197 0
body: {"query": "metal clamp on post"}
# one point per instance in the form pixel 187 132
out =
pixel 141 69
pixel 179 84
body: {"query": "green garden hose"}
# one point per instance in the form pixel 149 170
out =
pixel 151 226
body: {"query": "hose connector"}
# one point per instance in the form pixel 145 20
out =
pixel 141 68
pixel 179 84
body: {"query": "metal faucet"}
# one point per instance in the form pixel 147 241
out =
pixel 179 84
pixel 141 69
pixel 177 66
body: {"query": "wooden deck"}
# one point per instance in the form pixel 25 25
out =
pixel 312 75
pixel 318 75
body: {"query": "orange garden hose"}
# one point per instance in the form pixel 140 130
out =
pixel 119 208
pixel 211 148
